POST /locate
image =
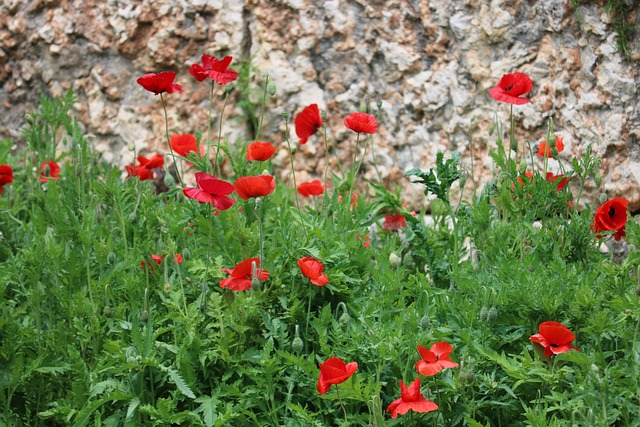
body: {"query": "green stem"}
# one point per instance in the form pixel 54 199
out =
pixel 293 172
pixel 264 100
pixel 166 130
pixel 209 124
pixel 226 98
pixel 344 411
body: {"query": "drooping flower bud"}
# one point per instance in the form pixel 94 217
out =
pixel 169 180
pixel 598 178
pixel 144 316
pixel 483 313
pixel 492 315
pixel 522 168
pixel 111 257
pixel 271 88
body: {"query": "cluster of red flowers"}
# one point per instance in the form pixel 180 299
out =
pixel 242 274
pixel 48 170
pixel 158 260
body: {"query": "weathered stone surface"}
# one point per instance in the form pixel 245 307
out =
pixel 431 64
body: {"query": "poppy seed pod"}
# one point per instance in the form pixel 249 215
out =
pixel 379 104
pixel 271 88
pixel 297 343
pixel 133 218
pixel 131 146
pixel 598 178
pixel 144 316
pixel 255 284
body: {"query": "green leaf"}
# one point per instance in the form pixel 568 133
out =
pixel 208 407
pixel 177 379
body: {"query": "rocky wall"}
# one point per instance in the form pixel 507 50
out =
pixel 431 64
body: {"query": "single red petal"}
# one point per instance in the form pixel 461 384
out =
pixel 427 355
pixel 321 280
pixel 307 122
pixel 428 369
pixel 423 405
pixel 396 407
pixel 183 144
pixel 361 123
pixel 198 195
pixel 323 386
pixel 213 185
pixel 411 393
pixel 441 349
pixel 155 162
pixel 539 339
pixel 198 71
pixel 447 364
pixel 260 151
pixel 223 202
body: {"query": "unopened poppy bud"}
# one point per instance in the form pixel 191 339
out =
pixel 111 258
pixel 29 119
pixel 167 287
pixel 265 172
pixel 598 178
pixel 169 180
pixel 491 128
pixel 472 118
pixel 364 105
pixel 271 88
pixel 425 322
pixel 514 146
pixel 394 260
pixel 285 115
pixel 522 168
pixel 255 284
pixel 297 344
pixel 107 311
pixel 483 313
pixel 186 254
pixel 78 169
pixel 144 316
pixel 323 115
pixel 379 104
pixel 492 315
pixel 466 376
pixel 133 217
pixel 131 146
pixel 603 197
pixel 345 319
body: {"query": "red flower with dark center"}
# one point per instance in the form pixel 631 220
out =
pixel 435 359
pixel 260 151
pixel 49 170
pixel 411 399
pixel 394 222
pixel 611 216
pixel 511 87
pixel 334 371
pixel 554 337
pixel 313 269
pixel 242 274
pixel 254 186
pixel 545 149
pixel 361 123
pixel 160 82
pixel 184 144
pixel 215 69
pixel 311 188
pixel 211 190
pixel 308 122
pixel 6 176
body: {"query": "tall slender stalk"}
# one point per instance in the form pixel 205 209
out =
pixel 264 100
pixel 224 106
pixel 209 124
pixel 293 171
pixel 166 129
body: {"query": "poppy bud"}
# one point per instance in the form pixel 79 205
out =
pixel 107 311
pixel 167 287
pixel 111 258
pixel 603 197
pixel 29 118
pixel 285 115
pixel 78 169
pixel 271 88
pixel 345 319
pixel 394 260
pixel 364 104
pixel 466 376
pixel 133 217
pixel 425 322
pixel 144 316
pixel 323 115
pixel 483 313
pixel 379 104
pixel 492 315
pixel 255 284
pixel 598 178
pixel 514 145
pixel 131 146
pixel 169 181
pixel 491 128
pixel 522 167
pixel 297 343
pixel 186 253
pixel 472 118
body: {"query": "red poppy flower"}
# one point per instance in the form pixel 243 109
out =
pixel 366 242
pixel 160 82
pixel 411 398
pixel 334 371
pixel 554 337
pixel 311 188
pixel 211 190
pixel 178 258
pixel 312 268
pixel 214 69
pixel 6 176
pixel 611 216
pixel 140 171
pixel 544 149
pixel 254 186
pixel 242 274
pixel 260 151
pixel 435 359
pixel 553 178
pixel 511 87
pixel 308 122
pixel 49 170
pixel 361 123
pixel 155 162
pixel 394 222
pixel 184 144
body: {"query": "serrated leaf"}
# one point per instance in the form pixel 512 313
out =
pixel 177 379
pixel 208 407
pixel 135 402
